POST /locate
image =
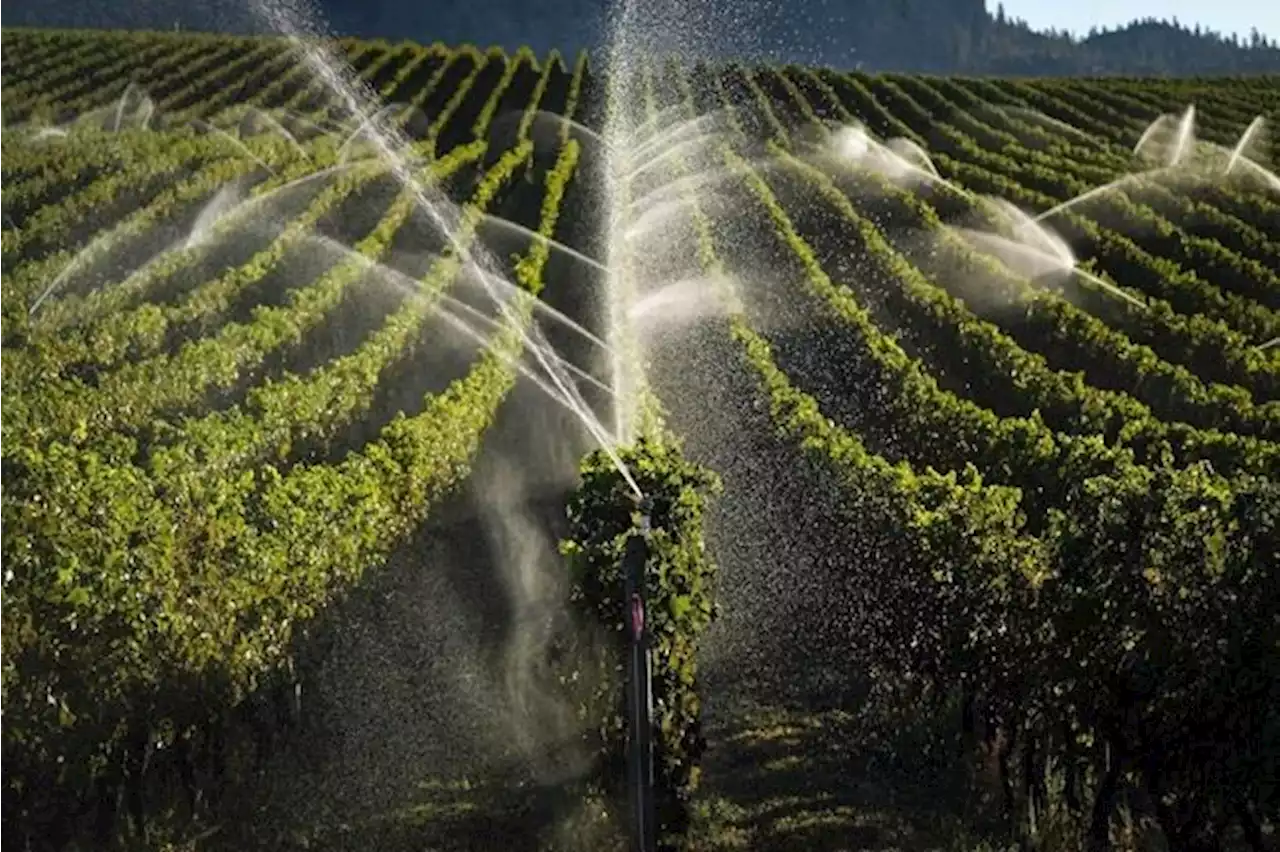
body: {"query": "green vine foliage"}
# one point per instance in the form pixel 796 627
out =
pixel 604 518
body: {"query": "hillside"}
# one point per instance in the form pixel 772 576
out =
pixel 299 382
pixel 942 36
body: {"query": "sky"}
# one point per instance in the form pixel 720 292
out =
pixel 1226 16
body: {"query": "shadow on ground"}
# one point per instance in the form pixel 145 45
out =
pixel 443 815
pixel 787 779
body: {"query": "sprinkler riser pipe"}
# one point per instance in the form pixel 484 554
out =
pixel 639 697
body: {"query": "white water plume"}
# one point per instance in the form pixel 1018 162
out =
pixel 676 135
pixel 493 221
pixel 100 248
pixel 656 167
pixel 1170 142
pixel 484 601
pixel 390 144
pixel 474 323
pixel 1185 136
pixel 656 220
pixel 226 199
pixel 557 380
pixel 678 192
pixel 899 160
pixel 1027 247
pixel 652 126
pixel 233 141
pixel 1263 177
pixel 676 306
pixel 375 122
pixel 1246 158
pixel 547 125
pixel 133 110
pixel 643 140
pixel 1020 258
pixel 520 704
pixel 619 130
pixel 136 104
pixel 640 164
pixel 1032 232
pixel 1031 250
pixel 476 329
pixel 1168 139
pixel 257 121
pixel 538 716
pixel 912 154
pixel 1253 144
pixel 1120 184
pixel 93 255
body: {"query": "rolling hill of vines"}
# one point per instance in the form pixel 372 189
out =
pixel 1053 506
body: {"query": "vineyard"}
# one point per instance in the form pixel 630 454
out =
pixel 987 370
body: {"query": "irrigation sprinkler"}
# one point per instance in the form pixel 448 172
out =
pixel 644 831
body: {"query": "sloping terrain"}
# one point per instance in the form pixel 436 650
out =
pixel 999 530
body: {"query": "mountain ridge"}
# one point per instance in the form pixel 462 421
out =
pixel 938 36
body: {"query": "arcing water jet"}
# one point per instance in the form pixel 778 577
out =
pixel 899 160
pixel 236 143
pixel 1033 250
pixel 390 145
pixel 1117 185
pixel 676 305
pixel 498 223
pixel 1252 143
pixel 1185 138
pixel 1170 140
pixel 254 116
pixel 226 199
pixel 102 244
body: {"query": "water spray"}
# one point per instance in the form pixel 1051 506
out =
pixel 640 770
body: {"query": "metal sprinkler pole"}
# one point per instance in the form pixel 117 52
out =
pixel 640 777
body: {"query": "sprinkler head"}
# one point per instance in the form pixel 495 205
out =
pixel 644 505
